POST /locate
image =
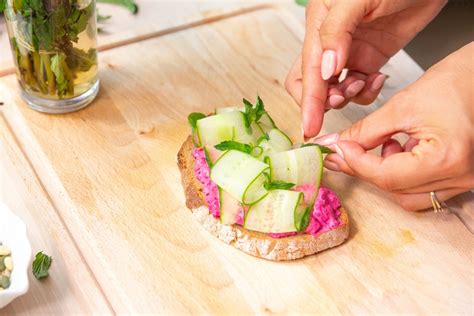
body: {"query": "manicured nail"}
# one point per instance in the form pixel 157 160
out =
pixel 335 100
pixel 326 139
pixel 378 82
pixel 328 64
pixel 339 151
pixel 354 88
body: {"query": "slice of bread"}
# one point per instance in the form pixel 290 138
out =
pixel 254 243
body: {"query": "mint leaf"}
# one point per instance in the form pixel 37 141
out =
pixel 303 224
pixel 253 113
pixel 324 149
pixel 194 117
pixel 230 144
pixel 278 185
pixel 58 70
pixel 3 5
pixel 41 265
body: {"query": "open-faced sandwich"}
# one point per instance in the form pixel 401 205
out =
pixel 248 185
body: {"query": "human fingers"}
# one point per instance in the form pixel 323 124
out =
pixel 336 32
pixel 390 147
pixel 394 172
pixel 420 201
pixel 294 81
pixel 465 181
pixel 314 86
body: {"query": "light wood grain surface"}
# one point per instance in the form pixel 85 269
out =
pixel 153 18
pixel 73 289
pixel 110 172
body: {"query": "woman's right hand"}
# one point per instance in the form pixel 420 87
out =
pixel 437 113
pixel 360 35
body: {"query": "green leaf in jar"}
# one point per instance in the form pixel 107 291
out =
pixel 57 62
pixel 41 265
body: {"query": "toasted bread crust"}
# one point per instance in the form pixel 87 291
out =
pixel 255 243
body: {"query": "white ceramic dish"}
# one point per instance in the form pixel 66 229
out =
pixel 13 234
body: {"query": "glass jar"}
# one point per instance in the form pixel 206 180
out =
pixel 54 45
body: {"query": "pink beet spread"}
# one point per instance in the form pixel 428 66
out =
pixel 326 212
pixel 209 188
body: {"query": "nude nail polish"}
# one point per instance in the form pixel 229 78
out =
pixel 354 88
pixel 378 82
pixel 335 100
pixel 339 151
pixel 326 140
pixel 328 64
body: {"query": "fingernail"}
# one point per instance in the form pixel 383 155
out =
pixel 378 82
pixel 332 166
pixel 326 140
pixel 328 64
pixel 335 100
pixel 339 151
pixel 354 88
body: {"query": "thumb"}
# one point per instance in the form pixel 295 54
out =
pixel 336 34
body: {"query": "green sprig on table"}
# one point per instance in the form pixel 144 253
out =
pixel 41 265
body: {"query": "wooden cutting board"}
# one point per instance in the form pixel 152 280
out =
pixel 110 171
pixel 153 18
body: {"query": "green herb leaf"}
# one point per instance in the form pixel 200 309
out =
pixel 58 70
pixel 278 185
pixel 81 61
pixel 3 5
pixel 41 265
pixel 304 220
pixel 324 149
pixel 130 5
pixel 194 117
pixel 230 144
pixel 253 113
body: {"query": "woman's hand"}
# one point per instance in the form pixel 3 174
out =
pixel 360 35
pixel 437 113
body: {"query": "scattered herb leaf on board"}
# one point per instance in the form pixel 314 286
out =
pixel 41 265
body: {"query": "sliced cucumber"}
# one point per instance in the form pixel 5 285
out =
pixel 212 154
pixel 229 208
pixel 241 175
pixel 217 128
pixel 267 120
pixel 229 109
pixel 276 213
pixel 299 166
pixel 277 141
pixel 257 132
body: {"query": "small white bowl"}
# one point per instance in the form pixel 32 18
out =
pixel 13 235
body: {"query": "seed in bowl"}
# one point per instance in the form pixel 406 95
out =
pixel 6 267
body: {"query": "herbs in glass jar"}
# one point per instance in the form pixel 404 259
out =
pixel 54 45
